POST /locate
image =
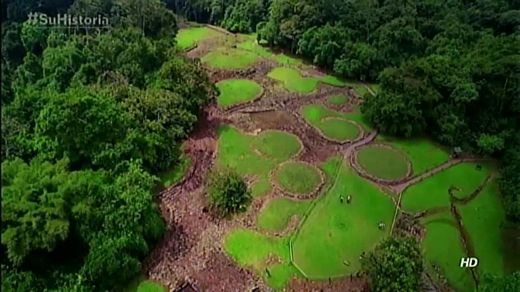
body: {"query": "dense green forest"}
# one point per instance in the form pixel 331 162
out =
pixel 447 68
pixel 88 119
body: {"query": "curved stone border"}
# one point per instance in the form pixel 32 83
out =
pixel 299 196
pixel 302 147
pixel 244 103
pixel 365 174
pixel 320 132
pixel 292 224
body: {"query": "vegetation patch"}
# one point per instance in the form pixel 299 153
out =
pixel 150 286
pixel 227 192
pixel 278 145
pixel 226 58
pixel 252 45
pixel 177 173
pixel 189 37
pixel 422 152
pixel 383 162
pixel 336 233
pixel 235 91
pixel 295 82
pixel 433 191
pixel 337 99
pixel 331 124
pixel 253 250
pixel 483 218
pixel 238 151
pixel 298 177
pixel 276 215
pixel 443 250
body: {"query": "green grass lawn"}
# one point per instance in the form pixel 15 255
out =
pixel 337 99
pixel 236 151
pixel 332 80
pixel 338 129
pixel 176 174
pixel 443 247
pixel 361 90
pixel 295 82
pixel 483 218
pixel 332 124
pixel 276 214
pixel 335 234
pixel 250 44
pixel 150 286
pixel 422 152
pixel 252 250
pixel 189 37
pixel 433 191
pixel 141 284
pixel 375 87
pixel 277 145
pixel 234 91
pixel 383 162
pixel 227 58
pixel 297 177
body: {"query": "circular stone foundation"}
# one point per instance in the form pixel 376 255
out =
pixel 278 145
pixel 236 91
pixel 297 178
pixel 383 162
pixel 339 129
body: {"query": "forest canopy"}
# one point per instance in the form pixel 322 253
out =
pixel 88 119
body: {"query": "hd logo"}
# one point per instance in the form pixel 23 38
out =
pixel 468 262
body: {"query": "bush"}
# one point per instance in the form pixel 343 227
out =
pixel 395 265
pixel 227 193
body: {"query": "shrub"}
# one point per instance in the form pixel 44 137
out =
pixel 227 192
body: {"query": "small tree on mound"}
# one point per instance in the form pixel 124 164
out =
pixel 227 192
pixel 395 265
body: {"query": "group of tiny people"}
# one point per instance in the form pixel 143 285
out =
pixel 381 224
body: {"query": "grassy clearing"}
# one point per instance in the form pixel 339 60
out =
pixel 176 174
pixel 141 284
pixel 443 248
pixel 422 152
pixel 227 58
pixel 236 151
pixel 295 82
pixel 250 44
pixel 150 286
pixel 337 99
pixel 332 80
pixel 383 162
pixel 375 87
pixel 332 124
pixel 338 129
pixel 189 37
pixel 482 218
pixel 278 145
pixel 433 191
pixel 276 214
pixel 253 250
pixel 297 177
pixel 235 91
pixel 335 234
